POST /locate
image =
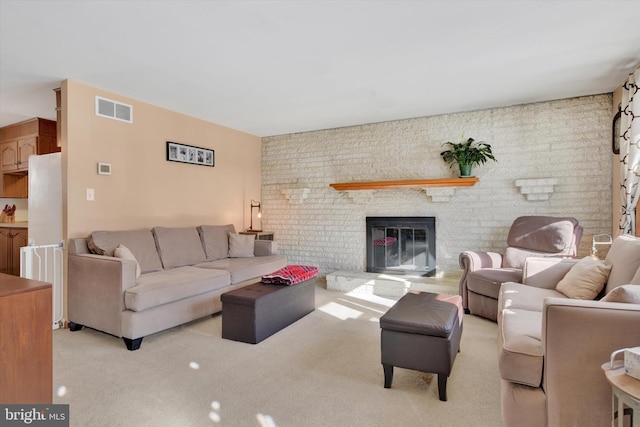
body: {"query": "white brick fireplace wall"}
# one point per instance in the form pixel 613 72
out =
pixel 565 141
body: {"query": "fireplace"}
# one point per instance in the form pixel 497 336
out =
pixel 401 245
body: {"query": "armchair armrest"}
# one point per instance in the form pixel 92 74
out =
pixel 95 290
pixel 475 260
pixel 265 248
pixel 546 272
pixel 578 336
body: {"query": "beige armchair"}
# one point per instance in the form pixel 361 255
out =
pixel 484 272
pixel 552 347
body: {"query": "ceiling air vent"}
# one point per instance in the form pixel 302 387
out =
pixel 114 110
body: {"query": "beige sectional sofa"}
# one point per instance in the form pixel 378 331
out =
pixel 552 346
pixel 135 283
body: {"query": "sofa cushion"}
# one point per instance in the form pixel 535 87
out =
pixel 520 356
pixel 487 281
pixel 629 294
pixel 163 287
pixel 242 269
pixel 179 246
pixel 624 257
pixel 123 252
pixel 215 239
pixel 585 279
pixel 241 245
pixel 140 242
pixel 518 296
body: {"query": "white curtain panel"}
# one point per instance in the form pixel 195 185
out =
pixel 630 152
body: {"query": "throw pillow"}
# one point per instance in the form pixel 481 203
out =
pixel 625 293
pixel 585 279
pixel 123 252
pixel 241 245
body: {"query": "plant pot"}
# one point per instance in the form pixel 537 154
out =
pixel 465 170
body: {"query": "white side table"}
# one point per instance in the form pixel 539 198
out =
pixel 260 235
pixel 625 394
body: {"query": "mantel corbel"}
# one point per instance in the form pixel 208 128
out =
pixel 536 189
pixel 441 194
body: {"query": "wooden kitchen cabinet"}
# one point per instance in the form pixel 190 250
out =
pixel 26 353
pixel 9 155
pixel 15 154
pixel 17 143
pixel 11 240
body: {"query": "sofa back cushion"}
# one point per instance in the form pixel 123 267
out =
pixel 624 257
pixel 140 242
pixel 215 239
pixel 179 246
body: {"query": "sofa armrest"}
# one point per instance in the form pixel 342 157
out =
pixel 265 248
pixel 475 260
pixel 546 272
pixel 577 338
pixel 95 290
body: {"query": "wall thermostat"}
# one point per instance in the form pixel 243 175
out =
pixel 104 168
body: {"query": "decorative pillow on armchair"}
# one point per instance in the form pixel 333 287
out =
pixel 585 280
pixel 629 294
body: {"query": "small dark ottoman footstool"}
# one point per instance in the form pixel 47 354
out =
pixel 257 311
pixel 422 332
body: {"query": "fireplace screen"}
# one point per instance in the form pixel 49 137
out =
pixel 401 245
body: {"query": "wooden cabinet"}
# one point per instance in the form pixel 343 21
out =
pixel 11 240
pixel 15 154
pixel 9 155
pixel 17 143
pixel 26 355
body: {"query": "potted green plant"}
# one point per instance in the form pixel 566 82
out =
pixel 467 154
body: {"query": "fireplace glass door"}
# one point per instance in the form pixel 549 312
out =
pixel 401 245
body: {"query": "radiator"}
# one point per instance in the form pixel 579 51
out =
pixel 45 263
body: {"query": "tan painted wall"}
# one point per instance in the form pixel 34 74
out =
pixel 144 189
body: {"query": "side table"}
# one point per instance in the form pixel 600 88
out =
pixel 625 394
pixel 260 235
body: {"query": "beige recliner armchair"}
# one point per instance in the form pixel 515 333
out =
pixel 484 272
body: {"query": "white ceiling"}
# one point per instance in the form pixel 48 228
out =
pixel 275 67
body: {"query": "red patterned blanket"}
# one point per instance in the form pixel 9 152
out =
pixel 290 275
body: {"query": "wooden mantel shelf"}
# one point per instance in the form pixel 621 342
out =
pixel 414 183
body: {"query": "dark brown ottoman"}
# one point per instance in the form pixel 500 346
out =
pixel 422 332
pixel 257 311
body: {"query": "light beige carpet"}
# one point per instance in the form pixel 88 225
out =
pixel 324 370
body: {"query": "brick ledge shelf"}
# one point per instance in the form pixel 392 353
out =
pixel 414 183
pixel 440 190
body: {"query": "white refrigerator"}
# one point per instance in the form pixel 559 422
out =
pixel 43 258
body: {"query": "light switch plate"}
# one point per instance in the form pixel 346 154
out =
pixel 91 195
